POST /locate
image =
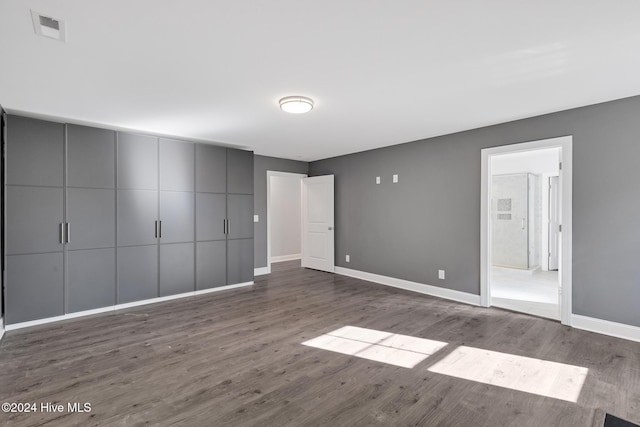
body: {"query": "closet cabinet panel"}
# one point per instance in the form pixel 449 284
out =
pixel 137 273
pixel 177 164
pixel 35 150
pixel 211 264
pixel 176 269
pixel 239 261
pixel 211 212
pixel 91 279
pixel 239 171
pixel 137 215
pixel 33 216
pixel 137 161
pixel 177 216
pixel 35 287
pixel 91 217
pixel 90 157
pixel 240 216
pixel 211 169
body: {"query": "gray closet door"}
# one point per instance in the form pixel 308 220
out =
pixel 211 264
pixel 137 161
pixel 91 279
pixel 211 212
pixel 239 171
pixel 177 164
pixel 239 261
pixel 240 216
pixel 211 169
pixel 177 216
pixel 36 287
pixel 137 214
pixel 35 152
pixel 91 217
pixel 137 273
pixel 90 157
pixel 176 269
pixel 34 215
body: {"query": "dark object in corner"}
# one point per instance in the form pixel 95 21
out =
pixel 612 421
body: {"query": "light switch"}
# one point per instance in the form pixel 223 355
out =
pixel 256 218
pixel 377 180
pixel 347 258
pixel 395 178
pixel 441 274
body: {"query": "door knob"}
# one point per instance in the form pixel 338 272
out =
pixel 330 228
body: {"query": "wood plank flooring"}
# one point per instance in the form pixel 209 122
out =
pixel 235 358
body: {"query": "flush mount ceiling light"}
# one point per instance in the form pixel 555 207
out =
pixel 296 104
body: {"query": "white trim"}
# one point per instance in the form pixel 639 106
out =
pixel 566 157
pixel 1 327
pixel 618 330
pixel 223 288
pixel 422 288
pixel 120 307
pixel 282 258
pixel 271 173
pixel 261 271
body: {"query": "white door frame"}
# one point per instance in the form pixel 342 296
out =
pixel 565 143
pixel 269 175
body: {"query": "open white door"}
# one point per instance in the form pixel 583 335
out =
pixel 554 223
pixel 317 223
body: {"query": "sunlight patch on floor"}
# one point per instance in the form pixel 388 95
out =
pixel 541 377
pixel 386 347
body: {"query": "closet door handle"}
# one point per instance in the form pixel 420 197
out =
pixel 523 220
pixel 68 233
pixel 160 230
pixel 228 227
pixel 62 237
pixel 155 233
pixel 224 227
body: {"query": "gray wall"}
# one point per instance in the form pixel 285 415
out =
pixel 285 215
pixel 261 164
pixel 430 220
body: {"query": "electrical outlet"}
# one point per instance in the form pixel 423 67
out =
pixel 441 274
pixel 377 180
pixel 347 258
pixel 256 218
pixel 395 178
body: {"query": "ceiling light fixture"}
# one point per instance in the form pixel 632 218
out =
pixel 296 104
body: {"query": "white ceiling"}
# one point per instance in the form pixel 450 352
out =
pixel 381 72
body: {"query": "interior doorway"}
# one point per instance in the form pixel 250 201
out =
pixel 284 216
pixel 526 224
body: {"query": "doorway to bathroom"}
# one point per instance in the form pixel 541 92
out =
pixel 522 228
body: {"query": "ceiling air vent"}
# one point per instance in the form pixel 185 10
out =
pixel 47 26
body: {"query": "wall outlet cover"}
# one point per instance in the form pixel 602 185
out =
pixel 377 180
pixel 395 178
pixel 441 274
pixel 256 218
pixel 347 258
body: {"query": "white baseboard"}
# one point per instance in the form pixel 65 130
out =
pixel 1 328
pixel 619 330
pixel 120 307
pixel 282 258
pixel 411 286
pixel 260 271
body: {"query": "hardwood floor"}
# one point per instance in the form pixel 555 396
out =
pixel 235 358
